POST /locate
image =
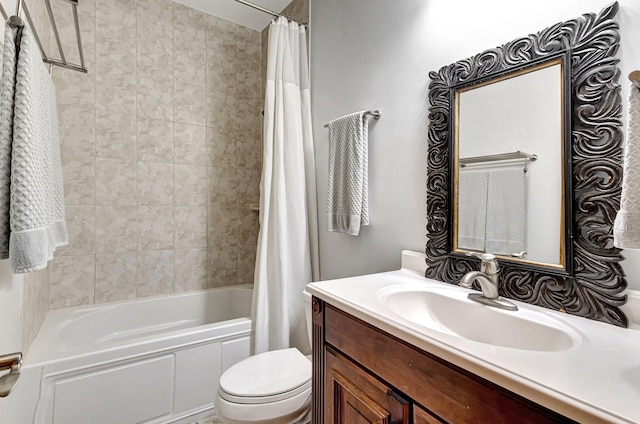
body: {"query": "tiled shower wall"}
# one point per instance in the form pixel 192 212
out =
pixel 161 151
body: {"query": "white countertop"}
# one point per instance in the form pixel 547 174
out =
pixel 597 380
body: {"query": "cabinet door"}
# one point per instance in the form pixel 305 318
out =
pixel 421 416
pixel 352 396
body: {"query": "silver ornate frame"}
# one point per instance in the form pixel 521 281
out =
pixel 593 282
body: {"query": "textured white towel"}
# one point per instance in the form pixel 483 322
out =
pixel 626 228
pixel 347 193
pixel 506 211
pixel 472 209
pixel 31 189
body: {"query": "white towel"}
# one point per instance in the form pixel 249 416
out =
pixel 347 193
pixel 31 188
pixel 506 211
pixel 626 228
pixel 472 209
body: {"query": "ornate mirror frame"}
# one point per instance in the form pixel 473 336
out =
pixel 592 283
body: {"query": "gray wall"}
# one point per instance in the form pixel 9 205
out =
pixel 377 54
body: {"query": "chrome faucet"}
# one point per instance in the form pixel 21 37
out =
pixel 488 279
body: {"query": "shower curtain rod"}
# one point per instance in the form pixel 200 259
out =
pixel 270 12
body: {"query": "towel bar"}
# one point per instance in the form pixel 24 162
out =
pixel 502 156
pixel 21 6
pixel 375 113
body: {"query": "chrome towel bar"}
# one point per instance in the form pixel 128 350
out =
pixel 18 22
pixel 502 156
pixel 375 113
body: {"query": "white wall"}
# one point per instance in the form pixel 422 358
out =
pixel 377 54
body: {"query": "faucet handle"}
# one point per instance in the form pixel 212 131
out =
pixel 489 263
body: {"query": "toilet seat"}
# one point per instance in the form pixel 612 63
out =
pixel 267 377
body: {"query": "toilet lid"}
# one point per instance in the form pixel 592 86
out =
pixel 267 377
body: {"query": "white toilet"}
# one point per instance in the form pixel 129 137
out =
pixel 269 388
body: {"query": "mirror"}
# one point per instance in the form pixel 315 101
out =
pixel 580 272
pixel 509 203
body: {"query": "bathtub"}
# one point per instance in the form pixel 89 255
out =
pixel 151 360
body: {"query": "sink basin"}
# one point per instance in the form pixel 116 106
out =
pixel 448 311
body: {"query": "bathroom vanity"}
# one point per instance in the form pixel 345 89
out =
pixel 370 374
pixel 379 359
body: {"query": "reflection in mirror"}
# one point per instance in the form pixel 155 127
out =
pixel 511 207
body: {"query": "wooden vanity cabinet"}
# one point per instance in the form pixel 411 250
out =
pixel 364 375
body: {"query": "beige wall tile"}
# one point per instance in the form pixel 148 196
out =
pixel 223 266
pixel 76 127
pixel 221 69
pixel 116 92
pixel 221 110
pixel 81 226
pixel 248 63
pixel 249 152
pixel 155 184
pixel 116 276
pixel 221 31
pixel 223 226
pixel 248 228
pixel 115 182
pixel 155 273
pixel 79 181
pixel 155 55
pixel 135 143
pixel 221 148
pixel 190 185
pixel 190 27
pixel 115 135
pixel 223 188
pixel 115 48
pixel 191 227
pixel 155 227
pixel 189 103
pixel 155 98
pixel 189 144
pixel 75 88
pixel 116 229
pixel 117 11
pixel 155 140
pixel 190 65
pixel 248 187
pixel 246 266
pixel 35 304
pixel 158 12
pixel 72 281
pixel 249 116
pixel 190 270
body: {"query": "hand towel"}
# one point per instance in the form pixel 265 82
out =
pixel 626 227
pixel 31 187
pixel 347 193
pixel 472 209
pixel 506 211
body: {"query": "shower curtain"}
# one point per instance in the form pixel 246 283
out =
pixel 287 253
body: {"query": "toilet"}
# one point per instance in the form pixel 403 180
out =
pixel 269 388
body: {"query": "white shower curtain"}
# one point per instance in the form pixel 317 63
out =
pixel 287 255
